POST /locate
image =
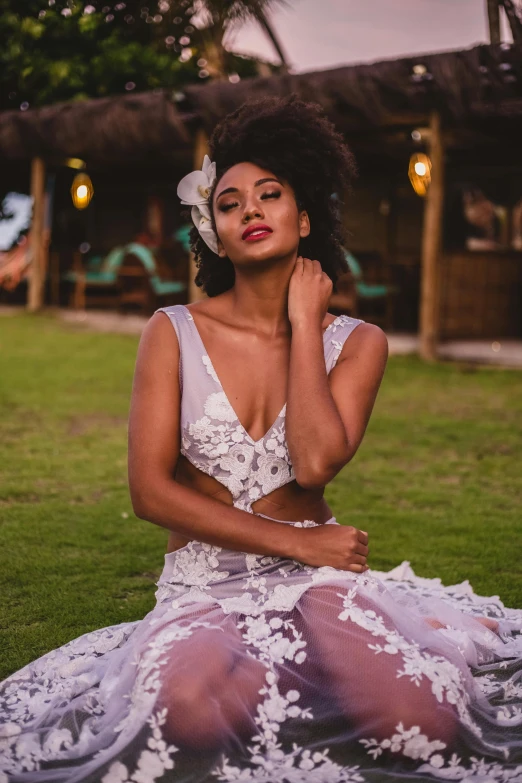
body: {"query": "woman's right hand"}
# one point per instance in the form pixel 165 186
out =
pixel 338 546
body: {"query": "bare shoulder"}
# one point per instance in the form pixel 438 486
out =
pixel 370 335
pixel 158 339
pixel 367 342
pixel 159 324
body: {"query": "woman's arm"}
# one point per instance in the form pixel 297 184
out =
pixel 326 416
pixel 154 435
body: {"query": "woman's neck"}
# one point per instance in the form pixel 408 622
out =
pixel 260 296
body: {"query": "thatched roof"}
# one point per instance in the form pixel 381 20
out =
pixel 461 84
pixel 475 84
pixel 104 130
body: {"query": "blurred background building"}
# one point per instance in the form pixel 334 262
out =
pixel 105 108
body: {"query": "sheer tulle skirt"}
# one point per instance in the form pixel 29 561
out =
pixel 255 668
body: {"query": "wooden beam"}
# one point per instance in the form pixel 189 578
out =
pixel 47 229
pixel 35 291
pixel 200 150
pixel 494 21
pixel 431 245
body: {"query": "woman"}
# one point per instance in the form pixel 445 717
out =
pixel 273 652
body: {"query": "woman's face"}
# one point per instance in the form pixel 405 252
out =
pixel 256 216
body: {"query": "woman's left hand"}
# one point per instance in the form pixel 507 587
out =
pixel 309 293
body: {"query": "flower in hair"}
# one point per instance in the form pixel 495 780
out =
pixel 194 191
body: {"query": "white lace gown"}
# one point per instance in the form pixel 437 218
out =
pixel 253 668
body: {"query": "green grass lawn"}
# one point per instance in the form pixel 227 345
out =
pixel 437 481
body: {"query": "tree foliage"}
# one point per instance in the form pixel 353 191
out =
pixel 55 50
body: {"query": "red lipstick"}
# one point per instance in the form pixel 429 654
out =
pixel 257 231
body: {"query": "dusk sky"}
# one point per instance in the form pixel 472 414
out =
pixel 325 33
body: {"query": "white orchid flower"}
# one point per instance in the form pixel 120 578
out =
pixel 200 215
pixel 195 187
pixel 194 190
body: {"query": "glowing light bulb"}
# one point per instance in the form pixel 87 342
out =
pixel 419 172
pixel 82 190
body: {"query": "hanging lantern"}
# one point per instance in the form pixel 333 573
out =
pixel 419 172
pixel 82 191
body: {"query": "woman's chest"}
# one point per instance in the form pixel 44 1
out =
pixel 252 376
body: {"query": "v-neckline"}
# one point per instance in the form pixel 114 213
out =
pixel 218 379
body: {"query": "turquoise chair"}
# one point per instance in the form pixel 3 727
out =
pixel 99 270
pixel 159 286
pixel 366 290
pixel 371 292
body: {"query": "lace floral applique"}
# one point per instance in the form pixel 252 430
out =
pixel 340 321
pixel 446 679
pixel 479 771
pixel 152 763
pixel 180 596
pixel 410 743
pixel 277 640
pixel 217 444
pixel 209 368
pixel 27 751
pixel 147 683
pixel 218 407
pixel 197 564
pixel 299 766
pixel 59 676
pixel 280 598
pixel 339 347
pixel 489 685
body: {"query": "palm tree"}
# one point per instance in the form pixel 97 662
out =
pixel 514 15
pixel 216 17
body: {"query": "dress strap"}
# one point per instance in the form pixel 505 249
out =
pixel 335 337
pixel 179 317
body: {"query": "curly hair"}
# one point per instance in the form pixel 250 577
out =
pixel 296 141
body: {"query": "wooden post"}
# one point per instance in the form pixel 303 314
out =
pixel 80 284
pixel 37 273
pixel 47 229
pixel 431 245
pixel 200 150
pixel 494 21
